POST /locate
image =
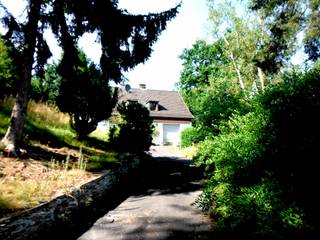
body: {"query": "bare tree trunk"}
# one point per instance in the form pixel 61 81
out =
pixel 14 133
pixel 235 65
pixel 261 78
pixel 18 115
pixel 237 68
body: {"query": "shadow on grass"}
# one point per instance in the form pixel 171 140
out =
pixel 57 146
pixel 46 137
pixel 65 138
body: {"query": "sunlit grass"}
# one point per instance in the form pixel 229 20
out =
pixel 100 135
pixel 48 129
pixel 46 115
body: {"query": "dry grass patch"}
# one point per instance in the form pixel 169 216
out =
pixel 27 183
pixel 54 162
pixel 47 115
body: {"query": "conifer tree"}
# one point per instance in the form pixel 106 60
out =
pixel 125 40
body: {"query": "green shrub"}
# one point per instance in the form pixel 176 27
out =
pixel 134 133
pixel 241 193
pixel 189 136
pixel 262 167
pixel 295 151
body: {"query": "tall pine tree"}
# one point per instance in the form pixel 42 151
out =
pixel 284 20
pixel 125 40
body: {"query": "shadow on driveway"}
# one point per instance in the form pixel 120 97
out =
pixel 159 206
pixel 164 175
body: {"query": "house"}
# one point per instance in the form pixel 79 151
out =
pixel 169 112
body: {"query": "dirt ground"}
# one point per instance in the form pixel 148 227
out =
pixel 38 175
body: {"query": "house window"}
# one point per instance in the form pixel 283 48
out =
pixel 132 101
pixel 153 105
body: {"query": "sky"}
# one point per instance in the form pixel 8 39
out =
pixel 162 70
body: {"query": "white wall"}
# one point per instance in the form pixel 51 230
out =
pixel 160 137
pixel 174 135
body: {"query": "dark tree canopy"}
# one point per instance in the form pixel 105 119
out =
pixel 125 40
pixel 284 20
pixel 86 97
pixel 8 77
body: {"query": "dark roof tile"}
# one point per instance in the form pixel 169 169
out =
pixel 171 104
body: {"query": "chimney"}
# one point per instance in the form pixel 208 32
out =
pixel 142 86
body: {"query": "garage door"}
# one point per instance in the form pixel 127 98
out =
pixel 171 133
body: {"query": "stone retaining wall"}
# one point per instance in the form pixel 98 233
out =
pixel 67 216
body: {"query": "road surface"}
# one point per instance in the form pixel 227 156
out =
pixel 161 206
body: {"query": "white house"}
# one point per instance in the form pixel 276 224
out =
pixel 167 109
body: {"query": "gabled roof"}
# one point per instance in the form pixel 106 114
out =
pixel 170 103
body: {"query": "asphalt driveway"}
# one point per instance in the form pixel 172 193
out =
pixel 160 206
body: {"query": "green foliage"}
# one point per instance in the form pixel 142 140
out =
pixel 210 90
pixel 312 40
pixel 215 103
pixel 199 63
pixel 295 148
pixel 189 136
pixel 134 133
pixel 7 74
pixel 241 33
pixel 85 95
pixel 241 192
pixel 262 167
pixel 284 19
pixel 46 89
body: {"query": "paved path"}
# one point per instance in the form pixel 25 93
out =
pixel 160 207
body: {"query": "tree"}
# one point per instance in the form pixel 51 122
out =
pixel 7 73
pixel 209 88
pixel 233 23
pixel 123 47
pixel 25 52
pixel 262 168
pixel 46 88
pixel 135 130
pixel 87 97
pixel 312 40
pixel 199 63
pixel 284 20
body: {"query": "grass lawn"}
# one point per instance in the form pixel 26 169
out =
pixel 53 161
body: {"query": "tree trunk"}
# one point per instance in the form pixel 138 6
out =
pixel 14 133
pixel 235 65
pixel 261 78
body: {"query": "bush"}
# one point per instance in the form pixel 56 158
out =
pixel 134 133
pixel 189 136
pixel 262 167
pixel 295 151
